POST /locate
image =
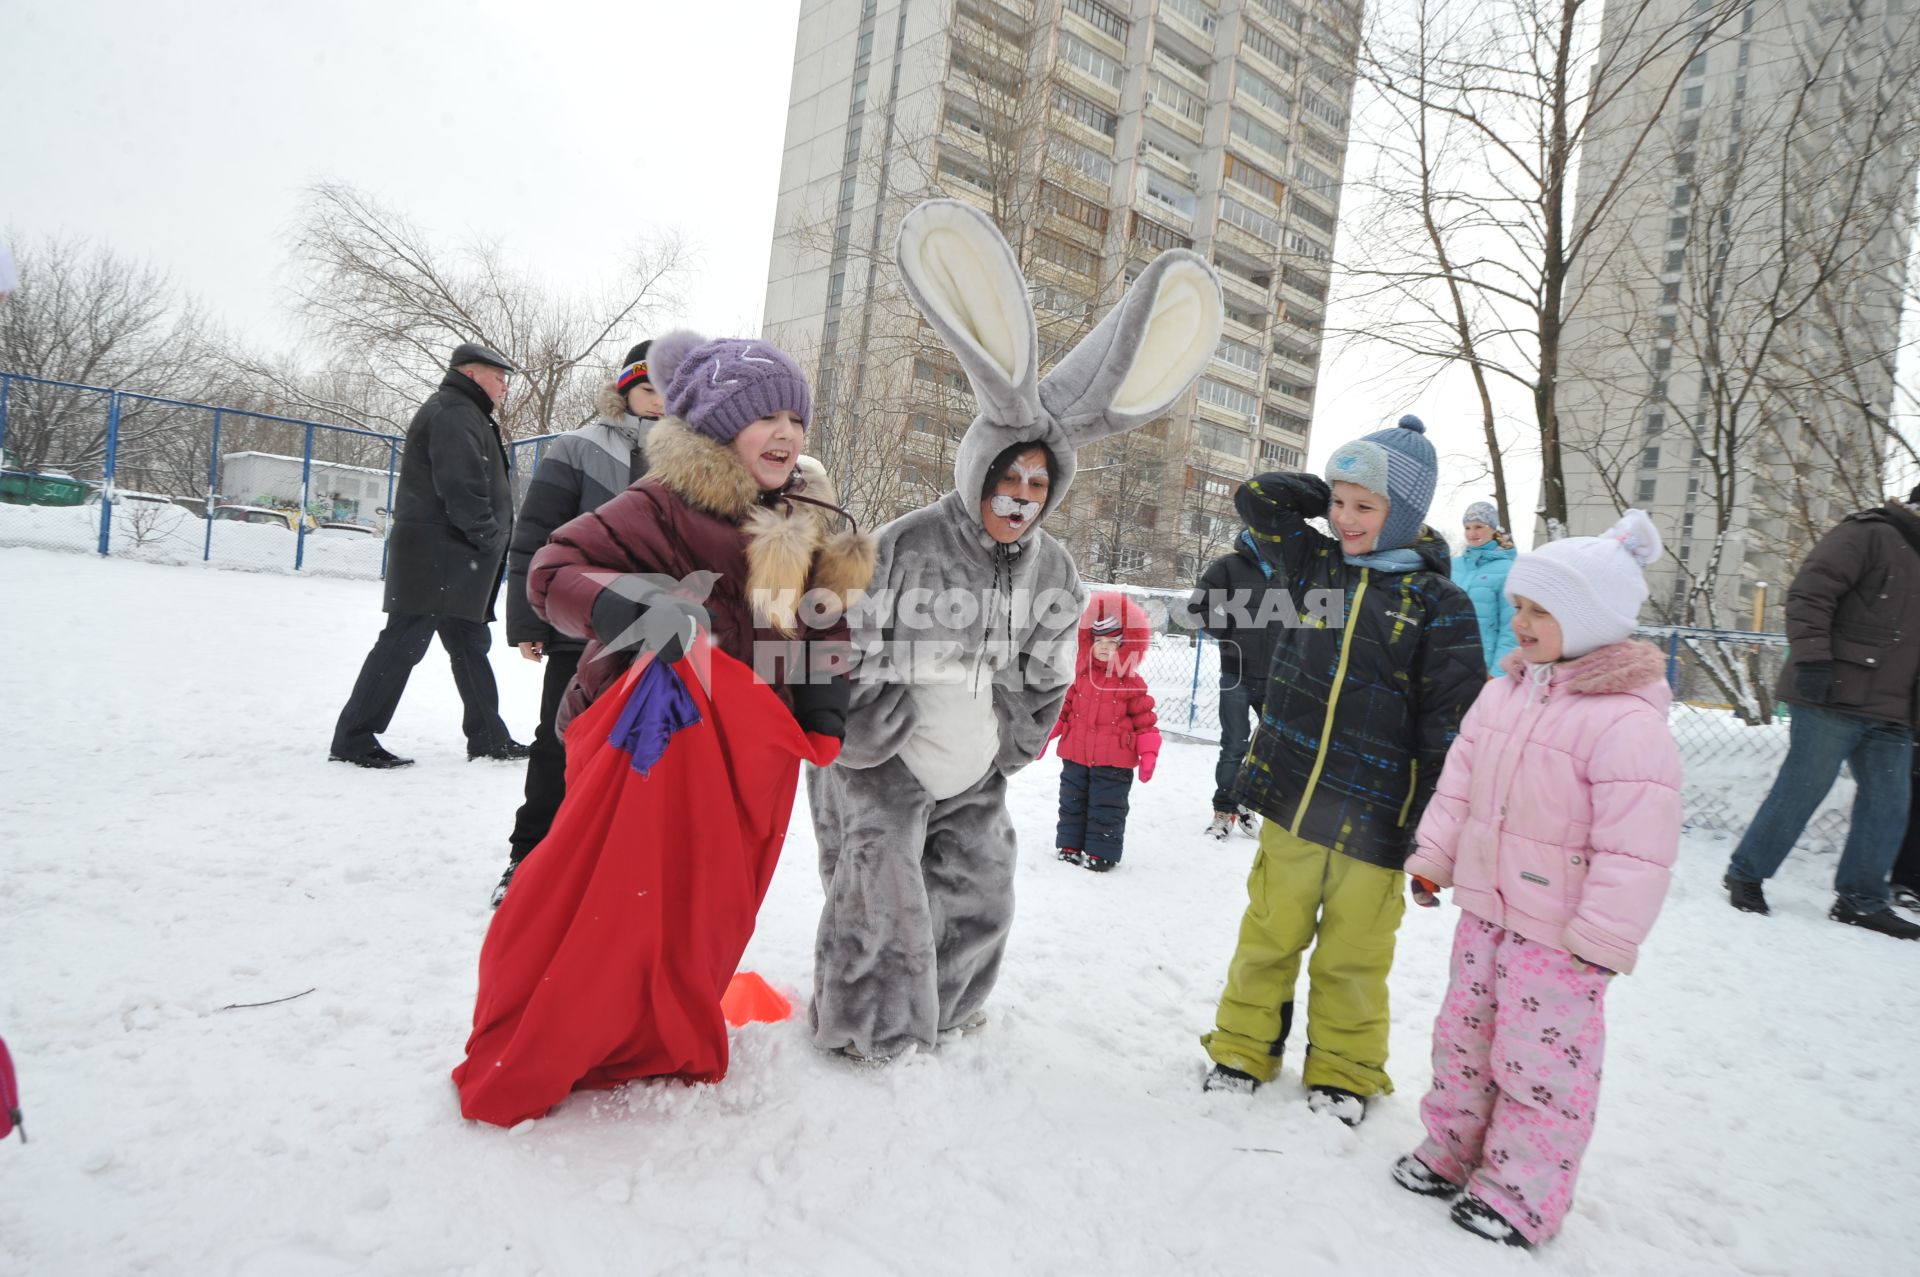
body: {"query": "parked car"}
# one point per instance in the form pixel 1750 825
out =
pixel 43 487
pixel 255 514
pixel 346 529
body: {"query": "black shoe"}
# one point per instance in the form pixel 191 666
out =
pixel 1070 854
pixel 1483 1220
pixel 1099 864
pixel 377 758
pixel 1416 1176
pixel 504 752
pixel 1233 1081
pixel 500 892
pixel 1337 1102
pixel 1906 897
pixel 1745 896
pixel 1885 921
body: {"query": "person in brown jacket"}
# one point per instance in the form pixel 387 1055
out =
pixel 1853 625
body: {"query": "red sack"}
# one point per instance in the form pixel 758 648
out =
pixel 9 1097
pixel 608 958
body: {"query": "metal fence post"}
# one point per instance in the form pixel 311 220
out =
pixel 1193 693
pixel 213 478
pixel 6 384
pixel 113 450
pixel 306 482
pixel 1673 662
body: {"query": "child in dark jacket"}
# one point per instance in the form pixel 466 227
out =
pixel 1106 730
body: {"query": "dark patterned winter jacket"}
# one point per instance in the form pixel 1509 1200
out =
pixel 1366 694
pixel 582 470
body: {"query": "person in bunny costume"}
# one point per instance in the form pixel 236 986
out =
pixel 949 699
pixel 1556 823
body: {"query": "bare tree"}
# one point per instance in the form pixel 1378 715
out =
pixel 1476 241
pixel 83 314
pixel 1758 351
pixel 389 301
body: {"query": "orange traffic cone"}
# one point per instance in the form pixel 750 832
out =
pixel 749 998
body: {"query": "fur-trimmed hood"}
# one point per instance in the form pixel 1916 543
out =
pixel 794 539
pixel 1631 666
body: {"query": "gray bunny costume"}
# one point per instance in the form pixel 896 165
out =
pixel 966 649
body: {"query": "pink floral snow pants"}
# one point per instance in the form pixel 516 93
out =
pixel 1516 1074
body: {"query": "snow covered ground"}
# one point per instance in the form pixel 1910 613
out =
pixel 175 842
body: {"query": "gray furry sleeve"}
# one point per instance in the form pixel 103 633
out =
pixel 1027 695
pixel 880 713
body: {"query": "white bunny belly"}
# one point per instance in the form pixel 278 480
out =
pixel 956 735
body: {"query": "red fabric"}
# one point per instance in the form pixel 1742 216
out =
pixel 1108 719
pixel 9 1096
pixel 608 959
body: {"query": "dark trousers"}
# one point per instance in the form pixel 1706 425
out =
pixel 547 764
pixel 1093 809
pixel 383 677
pixel 1880 755
pixel 1906 867
pixel 1240 700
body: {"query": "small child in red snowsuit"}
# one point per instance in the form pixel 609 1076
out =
pixel 1106 729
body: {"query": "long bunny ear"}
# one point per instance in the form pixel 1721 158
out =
pixel 1143 355
pixel 967 283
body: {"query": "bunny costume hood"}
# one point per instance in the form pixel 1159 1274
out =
pixel 949 700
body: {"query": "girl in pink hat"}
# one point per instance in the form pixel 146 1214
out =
pixel 1556 822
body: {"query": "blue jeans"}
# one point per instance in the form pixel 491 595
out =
pixel 1819 740
pixel 1240 698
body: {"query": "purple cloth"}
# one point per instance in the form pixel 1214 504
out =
pixel 659 706
pixel 721 387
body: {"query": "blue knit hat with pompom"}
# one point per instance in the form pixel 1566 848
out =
pixel 1400 464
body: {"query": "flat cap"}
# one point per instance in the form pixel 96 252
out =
pixel 472 352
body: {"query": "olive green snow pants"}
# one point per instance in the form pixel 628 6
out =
pixel 1299 894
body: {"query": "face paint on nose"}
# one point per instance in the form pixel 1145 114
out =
pixel 1015 511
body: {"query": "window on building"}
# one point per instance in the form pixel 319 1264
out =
pixel 1306 245
pixel 1656 422
pixel 1086 111
pixel 1084 159
pixel 1078 53
pixel 1281 455
pixel 1315 180
pixel 1251 84
pixel 1250 220
pixel 1320 109
pixel 1060 252
pixel 1280 419
pixel 1650 457
pixel 1255 179
pixel 1238 312
pixel 1313 217
pixel 1103 18
pixel 1669 324
pixel 863 51
pixel 1200 15
pixel 1662 358
pixel 1643 493
pixel 1676 228
pixel 1164 191
pixel 1693 97
pixel 1240 268
pixel 1295 278
pixel 1254 133
pixel 1153 235
pixel 1168 54
pixel 1239 354
pixel 1235 400
pixel 1291 389
pixel 1682 195
pixel 1259 42
pixel 1670 292
pixel 1220 438
pixel 847 185
pixel 1288 15
pixel 1326 148
pixel 1676 257
pixel 961 169
pixel 1699 64
pixel 1163 89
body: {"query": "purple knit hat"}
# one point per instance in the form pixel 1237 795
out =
pixel 723 386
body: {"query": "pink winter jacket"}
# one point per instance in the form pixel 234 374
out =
pixel 1557 814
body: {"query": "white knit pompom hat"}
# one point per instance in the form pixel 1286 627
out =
pixel 1593 586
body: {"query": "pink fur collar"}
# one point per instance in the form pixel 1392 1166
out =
pixel 1617 667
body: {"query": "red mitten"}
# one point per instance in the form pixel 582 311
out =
pixel 1149 743
pixel 1425 894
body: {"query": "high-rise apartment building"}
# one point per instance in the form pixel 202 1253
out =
pixel 1729 367
pixel 1097 133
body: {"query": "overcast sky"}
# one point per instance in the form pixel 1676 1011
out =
pixel 184 134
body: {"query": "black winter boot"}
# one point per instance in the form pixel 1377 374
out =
pixel 1483 1220
pixel 1337 1101
pixel 1745 896
pixel 1885 921
pixel 1233 1081
pixel 1416 1176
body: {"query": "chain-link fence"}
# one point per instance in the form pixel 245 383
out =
pixel 115 472
pixel 1731 734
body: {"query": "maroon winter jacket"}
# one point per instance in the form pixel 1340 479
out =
pixel 698 519
pixel 1108 719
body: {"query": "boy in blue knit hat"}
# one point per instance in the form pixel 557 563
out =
pixel 1363 699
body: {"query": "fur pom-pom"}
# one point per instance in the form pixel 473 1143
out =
pixel 1637 535
pixel 1413 423
pixel 668 353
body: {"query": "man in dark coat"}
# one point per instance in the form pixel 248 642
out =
pixel 580 471
pixel 452 513
pixel 1853 628
pixel 1230 603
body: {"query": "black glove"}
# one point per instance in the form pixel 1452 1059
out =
pixel 822 707
pixel 624 625
pixel 1814 680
